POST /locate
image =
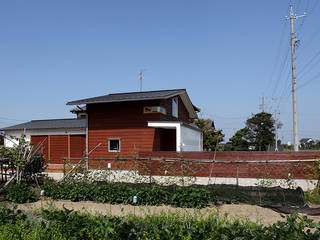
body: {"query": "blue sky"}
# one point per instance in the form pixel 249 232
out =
pixel 227 54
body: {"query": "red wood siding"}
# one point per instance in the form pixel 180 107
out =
pixel 140 139
pixel 127 115
pixel 128 122
pixel 36 140
pixel 164 140
pixel 77 146
pixel 57 147
pixel 183 114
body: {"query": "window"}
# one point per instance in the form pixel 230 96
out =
pixel 155 109
pixel 114 144
pixel 175 107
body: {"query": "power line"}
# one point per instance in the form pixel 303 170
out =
pixel 277 59
pixel 284 65
pixel 310 12
pixel 13 119
pixel 310 63
pixel 309 81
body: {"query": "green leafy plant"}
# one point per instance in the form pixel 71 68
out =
pixel 24 158
pixel 19 193
pixel 68 224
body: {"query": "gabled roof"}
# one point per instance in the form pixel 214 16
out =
pixel 130 96
pixel 140 96
pixel 305 140
pixel 66 123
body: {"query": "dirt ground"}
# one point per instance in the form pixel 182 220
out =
pixel 254 213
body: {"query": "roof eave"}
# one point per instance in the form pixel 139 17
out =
pixel 123 100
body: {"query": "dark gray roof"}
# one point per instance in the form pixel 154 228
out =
pixel 66 123
pixel 131 96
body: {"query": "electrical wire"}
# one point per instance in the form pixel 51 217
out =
pixel 277 59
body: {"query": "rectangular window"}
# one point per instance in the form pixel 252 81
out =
pixel 175 107
pixel 114 144
pixel 155 109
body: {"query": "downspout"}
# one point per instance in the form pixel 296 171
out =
pixel 87 140
pixel 87 137
pixel 178 137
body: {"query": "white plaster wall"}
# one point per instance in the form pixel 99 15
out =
pixel 10 139
pixel 187 139
pixel 191 140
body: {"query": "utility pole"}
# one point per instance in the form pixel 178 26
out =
pixel 140 78
pixel 276 119
pixel 294 41
pixel 261 106
pixel 276 122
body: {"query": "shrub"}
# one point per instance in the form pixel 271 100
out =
pixel 19 193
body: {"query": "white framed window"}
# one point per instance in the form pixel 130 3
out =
pixel 175 107
pixel 114 145
pixel 154 109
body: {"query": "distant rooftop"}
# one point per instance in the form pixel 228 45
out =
pixel 66 123
pixel 130 96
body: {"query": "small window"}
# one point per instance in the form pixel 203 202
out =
pixel 155 109
pixel 175 107
pixel 114 145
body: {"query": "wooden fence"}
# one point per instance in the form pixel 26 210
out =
pixel 189 166
pixel 7 169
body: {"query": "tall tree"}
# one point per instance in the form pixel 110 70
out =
pixel 1 140
pixel 261 131
pixel 211 136
pixel 239 140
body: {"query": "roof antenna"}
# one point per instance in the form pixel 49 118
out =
pixel 141 78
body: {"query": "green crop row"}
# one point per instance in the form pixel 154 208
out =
pixel 123 193
pixel 67 224
pixel 19 193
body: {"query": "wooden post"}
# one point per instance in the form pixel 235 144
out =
pixel 64 167
pixel 150 170
pixel 49 148
pixel 69 146
pixel 237 173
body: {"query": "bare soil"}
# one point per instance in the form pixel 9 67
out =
pixel 253 213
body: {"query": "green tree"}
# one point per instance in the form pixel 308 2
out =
pixel 1 140
pixel 239 140
pixel 261 131
pixel 211 136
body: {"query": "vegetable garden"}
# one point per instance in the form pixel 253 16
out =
pixel 68 224
pixel 26 183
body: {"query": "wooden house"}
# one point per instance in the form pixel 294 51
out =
pixel 120 124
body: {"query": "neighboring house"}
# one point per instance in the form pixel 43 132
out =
pixel 306 143
pixel 306 140
pixel 121 123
